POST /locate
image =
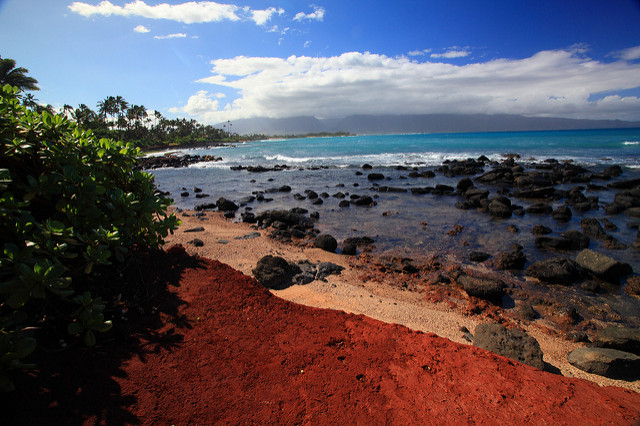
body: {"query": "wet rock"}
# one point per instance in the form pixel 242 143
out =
pixel 248 217
pixel 375 176
pixel 443 189
pixel 612 171
pixel 557 270
pixel 367 167
pixel 562 214
pixel 514 344
pixel 312 195
pixel 633 286
pixel 205 206
pixel 606 362
pixel 511 260
pixel 578 239
pixel 363 201
pixel 464 184
pixel 184 194
pixel 591 286
pixel 539 208
pixel 633 212
pixel 483 288
pixel 499 210
pixel 476 193
pixel 344 203
pixel 624 184
pixel 226 205
pixel 554 243
pixel 326 242
pixel 622 338
pixel 592 228
pixel 603 266
pixel 275 272
pixel 541 230
pixel 536 193
pixel 479 256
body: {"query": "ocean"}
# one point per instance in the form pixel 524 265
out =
pixel 418 226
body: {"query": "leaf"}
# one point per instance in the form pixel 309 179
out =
pixel 89 338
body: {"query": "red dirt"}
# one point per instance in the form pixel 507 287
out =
pixel 225 350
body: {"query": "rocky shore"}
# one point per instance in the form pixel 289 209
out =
pixel 503 285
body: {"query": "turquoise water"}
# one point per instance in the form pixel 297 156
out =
pixel 587 147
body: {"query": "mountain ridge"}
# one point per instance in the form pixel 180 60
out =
pixel 419 123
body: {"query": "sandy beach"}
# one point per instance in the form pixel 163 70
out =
pixel 241 246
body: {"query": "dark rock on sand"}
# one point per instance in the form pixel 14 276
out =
pixel 226 205
pixel 363 201
pixel 622 338
pixel 514 344
pixel 275 272
pixel 483 288
pixel 327 268
pixel 603 266
pixel 606 362
pixel 326 242
pixel 557 270
pixel 464 184
pixel 196 229
pixel 197 242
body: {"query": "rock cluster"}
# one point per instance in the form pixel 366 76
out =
pixel 172 160
pixel 276 273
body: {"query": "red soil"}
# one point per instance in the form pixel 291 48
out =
pixel 222 349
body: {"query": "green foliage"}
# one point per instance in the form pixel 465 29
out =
pixel 68 202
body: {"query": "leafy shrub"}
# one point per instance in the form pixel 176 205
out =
pixel 68 202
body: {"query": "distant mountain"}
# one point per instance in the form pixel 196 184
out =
pixel 428 123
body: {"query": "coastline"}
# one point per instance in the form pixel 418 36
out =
pixel 240 246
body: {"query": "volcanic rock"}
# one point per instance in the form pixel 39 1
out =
pixel 514 344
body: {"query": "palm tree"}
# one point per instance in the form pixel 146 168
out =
pixel 108 107
pixel 30 102
pixel 16 77
pixel 68 111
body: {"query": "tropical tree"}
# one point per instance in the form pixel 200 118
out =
pixel 30 102
pixel 16 77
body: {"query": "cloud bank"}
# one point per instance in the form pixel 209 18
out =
pixel 189 13
pixel 550 83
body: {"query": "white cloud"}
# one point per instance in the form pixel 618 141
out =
pixel 187 13
pixel 452 54
pixel 260 17
pixel 419 52
pixel 168 36
pixel 316 15
pixel 200 104
pixel 630 54
pixel 307 43
pixel 141 29
pixel 549 83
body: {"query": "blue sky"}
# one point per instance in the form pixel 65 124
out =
pixel 214 61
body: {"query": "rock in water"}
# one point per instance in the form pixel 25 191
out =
pixel 603 266
pixel 606 362
pixel 557 270
pixel 514 344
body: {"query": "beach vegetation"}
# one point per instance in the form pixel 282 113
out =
pixel 70 202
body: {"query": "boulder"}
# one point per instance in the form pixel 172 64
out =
pixel 592 229
pixel 541 230
pixel 326 242
pixel 562 214
pixel 514 344
pixel 557 270
pixel 327 268
pixel 539 208
pixel 275 272
pixel 482 288
pixel 606 362
pixel 514 259
pixel 225 205
pixel 375 176
pixel 554 243
pixel 479 256
pixel 464 184
pixel 579 240
pixel 499 209
pixel 603 266
pixel 621 338
pixel 363 201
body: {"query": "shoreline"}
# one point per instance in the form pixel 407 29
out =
pixel 420 308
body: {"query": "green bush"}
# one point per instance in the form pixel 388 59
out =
pixel 68 202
